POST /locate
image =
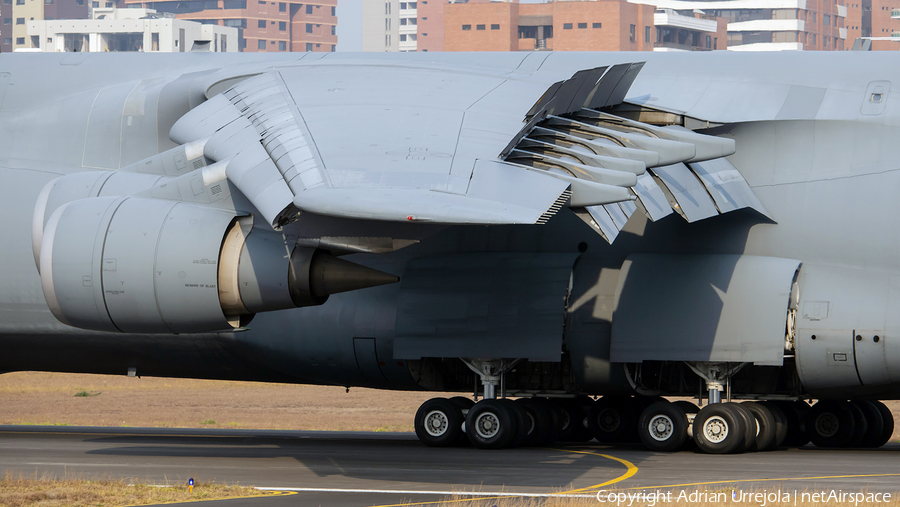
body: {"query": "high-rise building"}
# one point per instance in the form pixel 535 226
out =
pixel 389 25
pixel 16 14
pixel 263 25
pixel 593 25
pixel 112 29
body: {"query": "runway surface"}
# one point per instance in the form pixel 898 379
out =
pixel 365 469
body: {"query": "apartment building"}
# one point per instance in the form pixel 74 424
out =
pixel 593 25
pixel 263 25
pixel 16 14
pixel 389 25
pixel 111 29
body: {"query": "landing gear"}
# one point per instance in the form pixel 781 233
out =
pixel 439 423
pixel 491 424
pixel 721 428
pixel 831 423
pixel 663 427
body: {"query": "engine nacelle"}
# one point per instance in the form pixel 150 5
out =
pixel 139 265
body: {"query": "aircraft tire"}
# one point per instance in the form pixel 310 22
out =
pixel 830 423
pixel 689 408
pixel 795 415
pixel 888 419
pixel 766 426
pixel 720 428
pixel 750 427
pixel 581 432
pixel 491 424
pixel 662 427
pixel 438 423
pixel 462 402
pixel 781 422
pixel 860 425
pixel 612 420
pixel 522 423
pixel 537 419
pixel 875 423
pixel 571 419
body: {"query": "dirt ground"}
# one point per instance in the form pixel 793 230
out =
pixel 102 400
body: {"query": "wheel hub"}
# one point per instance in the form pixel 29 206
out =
pixel 715 429
pixel 487 425
pixel 609 420
pixel 661 428
pixel 436 423
pixel 827 424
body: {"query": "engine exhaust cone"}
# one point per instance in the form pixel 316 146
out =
pixel 314 275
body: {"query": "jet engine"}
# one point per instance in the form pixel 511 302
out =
pixel 136 265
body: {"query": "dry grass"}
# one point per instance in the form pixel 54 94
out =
pixel 687 498
pixel 55 399
pixel 21 491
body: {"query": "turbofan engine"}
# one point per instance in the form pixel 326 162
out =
pixel 136 265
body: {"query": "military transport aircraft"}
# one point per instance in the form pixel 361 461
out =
pixel 540 226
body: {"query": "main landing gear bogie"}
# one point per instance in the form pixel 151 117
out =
pixel 662 426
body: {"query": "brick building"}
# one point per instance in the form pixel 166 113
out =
pixel 596 25
pixel 263 25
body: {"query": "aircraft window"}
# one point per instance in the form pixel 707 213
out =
pixel 876 97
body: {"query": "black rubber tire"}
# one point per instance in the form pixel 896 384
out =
pixel 888 419
pixel 571 419
pixel 765 421
pixel 874 421
pixel 860 425
pixel 491 424
pixel 447 419
pixel 672 421
pixel 750 427
pixel 582 433
pixel 726 417
pixel 462 402
pixel 612 420
pixel 781 422
pixel 555 420
pixel 538 421
pixel 795 415
pixel 830 423
pixel 688 407
pixel 522 423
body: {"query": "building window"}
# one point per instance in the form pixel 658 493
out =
pixel 282 25
pixel 49 40
pixel 309 28
pixel 20 41
pixel 826 19
pixel 708 41
pixel 309 46
pixel 20 21
pixel 402 37
pixel 22 2
pixel 495 27
pixel 333 46
pixel 334 11
pixel 239 23
pixel 282 7
pixel 261 23
pixel 597 25
pixel 479 27
pixel 402 5
pixel 467 27
pixel 646 34
pixel 7 40
pixel 716 43
pixel 582 25
pixel 7 21
pixel 235 4
pixel 402 21
pixel 567 26
pixel 282 45
pixel 333 30
pixel 308 9
pixel 261 44
pixel 9 2
pixel 48 1
pixel 424 35
pixel 109 4
pixel 632 33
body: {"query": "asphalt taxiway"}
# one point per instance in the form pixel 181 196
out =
pixel 365 469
